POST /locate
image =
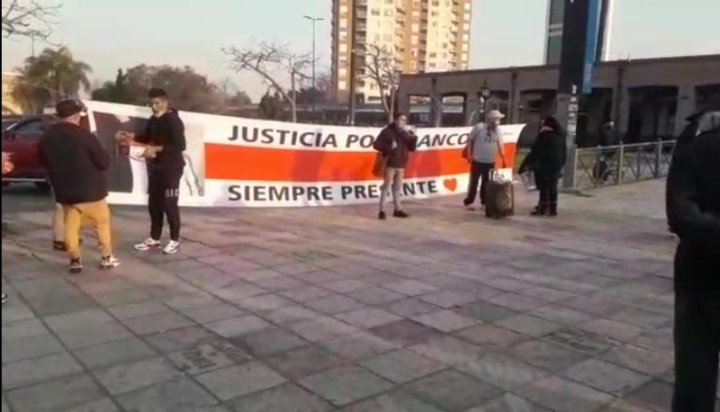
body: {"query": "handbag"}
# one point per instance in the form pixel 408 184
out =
pixel 379 165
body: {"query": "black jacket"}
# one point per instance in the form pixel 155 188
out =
pixel 396 144
pixel 693 210
pixel 167 131
pixel 547 155
pixel 75 162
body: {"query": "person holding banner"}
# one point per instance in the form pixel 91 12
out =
pixel 484 144
pixel 164 142
pixel 394 144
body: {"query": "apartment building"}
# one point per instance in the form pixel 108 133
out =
pixel 420 35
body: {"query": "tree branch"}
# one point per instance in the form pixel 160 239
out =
pixel 28 18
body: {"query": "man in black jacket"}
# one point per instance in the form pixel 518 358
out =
pixel 76 164
pixel 395 143
pixel 164 141
pixel 693 209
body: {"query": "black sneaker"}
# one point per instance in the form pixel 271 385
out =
pixel 76 266
pixel 382 216
pixel 400 214
pixel 59 246
pixel 109 262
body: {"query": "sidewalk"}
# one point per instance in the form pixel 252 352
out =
pixel 331 310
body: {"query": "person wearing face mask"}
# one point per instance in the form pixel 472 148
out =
pixel 484 145
pixel 395 143
pixel 76 165
pixel 164 141
pixel 693 211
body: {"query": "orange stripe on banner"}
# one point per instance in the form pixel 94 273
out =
pixel 230 162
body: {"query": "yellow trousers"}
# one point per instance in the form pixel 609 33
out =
pixel 59 223
pixel 98 214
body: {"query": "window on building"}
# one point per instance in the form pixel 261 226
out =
pixel 343 34
pixel 343 9
pixel 554 50
pixel 343 72
pixel 342 85
pixel 375 12
pixel 415 27
pixel 388 37
pixel 557 11
pixel 343 48
pixel 389 12
pixel 414 39
pixel 432 55
pixel 467 6
pixel 343 23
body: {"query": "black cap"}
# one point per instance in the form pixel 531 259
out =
pixel 712 106
pixel 68 107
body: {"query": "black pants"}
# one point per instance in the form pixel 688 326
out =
pixel 547 185
pixel 163 193
pixel 477 171
pixel 697 343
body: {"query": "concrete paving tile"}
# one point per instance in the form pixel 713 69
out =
pixel 345 385
pixel 178 339
pixel 240 380
pixel 605 377
pixel 368 318
pixel 502 371
pixel 111 353
pixel 509 403
pixel 445 321
pixel 238 326
pixel 300 362
pixel 211 313
pixel 269 341
pixel 529 325
pixel 449 350
pixel 402 366
pixel 358 345
pixel 285 398
pixel 547 356
pixel 32 347
pixel 392 402
pixel 129 377
pixel 453 391
pixel 55 395
pixel 32 371
pixel 561 395
pixel 181 394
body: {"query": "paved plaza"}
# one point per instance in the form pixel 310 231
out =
pixel 312 310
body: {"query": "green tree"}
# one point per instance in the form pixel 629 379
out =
pixel 271 106
pixel 115 92
pixel 51 76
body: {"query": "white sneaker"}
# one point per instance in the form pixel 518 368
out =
pixel 109 262
pixel 172 247
pixel 147 244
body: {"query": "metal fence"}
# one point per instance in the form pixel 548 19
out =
pixel 624 163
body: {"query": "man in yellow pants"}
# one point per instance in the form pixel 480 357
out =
pixel 76 164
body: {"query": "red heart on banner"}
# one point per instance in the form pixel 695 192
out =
pixel 450 184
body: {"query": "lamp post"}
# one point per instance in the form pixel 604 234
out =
pixel 485 94
pixel 313 20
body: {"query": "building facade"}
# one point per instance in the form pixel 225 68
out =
pixel 646 98
pixel 420 35
pixel 554 31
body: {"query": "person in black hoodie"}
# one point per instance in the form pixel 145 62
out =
pixel 164 141
pixel 76 163
pixel 693 211
pixel 546 159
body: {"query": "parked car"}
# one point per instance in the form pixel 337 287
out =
pixel 20 140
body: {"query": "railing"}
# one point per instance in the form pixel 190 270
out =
pixel 624 163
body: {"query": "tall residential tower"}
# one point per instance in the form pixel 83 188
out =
pixel 554 34
pixel 422 35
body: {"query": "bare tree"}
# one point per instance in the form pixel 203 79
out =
pixel 270 61
pixel 28 18
pixel 381 68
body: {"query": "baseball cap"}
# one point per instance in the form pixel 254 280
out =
pixel 69 107
pixel 495 114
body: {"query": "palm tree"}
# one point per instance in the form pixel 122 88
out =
pixel 51 76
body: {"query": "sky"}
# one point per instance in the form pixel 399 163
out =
pixel 110 35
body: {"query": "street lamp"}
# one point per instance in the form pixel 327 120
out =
pixel 485 94
pixel 313 20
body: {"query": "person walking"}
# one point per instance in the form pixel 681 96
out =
pixel 546 159
pixel 164 141
pixel 484 145
pixel 394 143
pixel 693 211
pixel 76 164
